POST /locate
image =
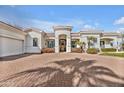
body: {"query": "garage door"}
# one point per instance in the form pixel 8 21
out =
pixel 11 46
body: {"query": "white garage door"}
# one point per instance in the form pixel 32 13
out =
pixel 11 46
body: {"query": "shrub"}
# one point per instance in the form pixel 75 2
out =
pixel 123 45
pixel 108 50
pixel 76 50
pixel 113 54
pixel 48 50
pixel 92 50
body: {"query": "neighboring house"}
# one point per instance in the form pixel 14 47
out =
pixel 14 41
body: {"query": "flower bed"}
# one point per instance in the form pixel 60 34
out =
pixel 92 50
pixel 48 50
pixel 76 50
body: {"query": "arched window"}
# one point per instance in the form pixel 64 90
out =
pixel 35 42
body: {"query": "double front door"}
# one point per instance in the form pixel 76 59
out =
pixel 62 45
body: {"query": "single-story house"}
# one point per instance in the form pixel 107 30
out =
pixel 14 41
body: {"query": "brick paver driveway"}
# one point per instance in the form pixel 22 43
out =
pixel 95 69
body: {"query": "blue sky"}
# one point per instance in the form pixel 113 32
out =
pixel 107 18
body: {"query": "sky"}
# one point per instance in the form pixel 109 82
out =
pixel 107 18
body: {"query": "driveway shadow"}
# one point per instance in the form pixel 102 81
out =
pixel 14 57
pixel 66 73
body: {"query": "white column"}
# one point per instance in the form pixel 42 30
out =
pixel 68 46
pixel 86 41
pixel 24 46
pixel 116 40
pixel 56 44
pixel 98 43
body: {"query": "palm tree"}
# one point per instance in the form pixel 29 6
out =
pixel 84 44
pixel 81 44
pixel 91 39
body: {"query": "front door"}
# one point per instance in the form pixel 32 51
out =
pixel 62 45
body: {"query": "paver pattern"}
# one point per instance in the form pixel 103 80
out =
pixel 61 70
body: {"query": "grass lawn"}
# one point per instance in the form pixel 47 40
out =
pixel 113 54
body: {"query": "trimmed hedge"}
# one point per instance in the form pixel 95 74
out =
pixel 48 50
pixel 108 50
pixel 92 50
pixel 113 54
pixel 76 50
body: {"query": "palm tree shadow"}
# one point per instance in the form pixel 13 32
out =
pixel 67 73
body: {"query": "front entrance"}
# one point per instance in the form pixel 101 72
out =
pixel 62 45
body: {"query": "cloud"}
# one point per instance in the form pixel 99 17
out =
pixel 76 23
pixel 24 23
pixel 47 25
pixel 120 30
pixel 119 21
pixel 44 25
pixel 96 24
pixel 88 26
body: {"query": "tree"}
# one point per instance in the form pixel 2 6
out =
pixel 91 39
pixel 81 44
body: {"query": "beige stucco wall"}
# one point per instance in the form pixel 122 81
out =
pixel 43 40
pixel 15 41
pixel 8 31
pixel 29 42
pixel 12 41
pixel 11 34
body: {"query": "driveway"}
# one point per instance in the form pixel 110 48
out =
pixel 16 64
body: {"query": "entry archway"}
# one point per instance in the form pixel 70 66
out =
pixel 62 38
pixel 62 42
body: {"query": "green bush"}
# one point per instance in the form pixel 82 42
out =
pixel 48 50
pixel 113 54
pixel 92 50
pixel 76 50
pixel 123 45
pixel 108 50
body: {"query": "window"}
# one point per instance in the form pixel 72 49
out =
pixel 74 43
pixel 95 40
pixel 51 43
pixel 35 42
pixel 111 43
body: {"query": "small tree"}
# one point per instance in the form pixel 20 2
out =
pixel 81 44
pixel 90 40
